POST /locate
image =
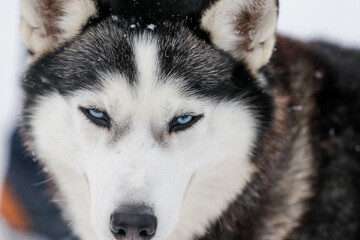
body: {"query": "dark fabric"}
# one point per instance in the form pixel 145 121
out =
pixel 30 185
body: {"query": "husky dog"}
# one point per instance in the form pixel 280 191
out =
pixel 191 120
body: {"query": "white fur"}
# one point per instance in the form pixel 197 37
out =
pixel 33 30
pixel 221 21
pixel 58 150
pixel 188 178
pixel 76 12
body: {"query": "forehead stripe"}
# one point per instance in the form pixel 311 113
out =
pixel 146 59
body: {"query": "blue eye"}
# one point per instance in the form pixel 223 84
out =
pixel 98 117
pixel 184 119
pixel 183 122
pixel 96 114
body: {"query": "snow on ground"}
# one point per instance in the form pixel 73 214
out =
pixel 332 20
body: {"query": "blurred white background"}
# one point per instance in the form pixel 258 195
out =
pixel 11 63
pixel 332 20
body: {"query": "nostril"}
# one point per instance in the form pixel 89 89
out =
pixel 116 228
pixel 118 231
pixel 145 233
pixel 121 233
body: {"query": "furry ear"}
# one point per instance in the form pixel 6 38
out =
pixel 47 23
pixel 244 28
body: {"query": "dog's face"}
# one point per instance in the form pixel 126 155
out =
pixel 148 129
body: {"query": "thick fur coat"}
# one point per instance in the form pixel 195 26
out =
pixel 196 118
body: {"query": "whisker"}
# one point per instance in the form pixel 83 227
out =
pixel 73 221
pixel 59 200
pixel 42 182
pixel 221 229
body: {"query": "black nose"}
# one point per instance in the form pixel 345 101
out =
pixel 134 223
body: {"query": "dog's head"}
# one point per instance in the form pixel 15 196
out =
pixel 149 128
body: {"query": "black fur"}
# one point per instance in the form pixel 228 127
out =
pixel 335 211
pixel 146 12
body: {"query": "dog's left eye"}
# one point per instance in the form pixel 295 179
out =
pixel 184 119
pixel 183 122
pixel 98 117
pixel 96 114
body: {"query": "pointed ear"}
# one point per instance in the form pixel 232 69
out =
pixel 47 23
pixel 243 28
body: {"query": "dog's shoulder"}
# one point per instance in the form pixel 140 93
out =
pixel 328 76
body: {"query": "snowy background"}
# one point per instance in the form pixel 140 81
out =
pixel 332 20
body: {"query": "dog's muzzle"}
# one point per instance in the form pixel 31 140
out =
pixel 133 222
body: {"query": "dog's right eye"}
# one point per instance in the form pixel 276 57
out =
pixel 98 117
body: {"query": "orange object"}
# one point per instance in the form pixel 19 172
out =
pixel 12 210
